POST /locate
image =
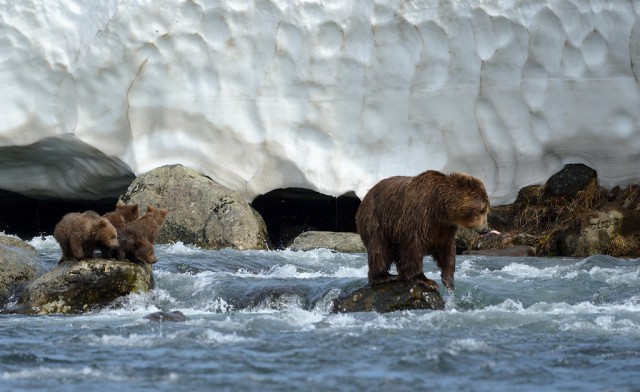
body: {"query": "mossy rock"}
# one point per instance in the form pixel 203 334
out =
pixel 82 286
pixel 389 297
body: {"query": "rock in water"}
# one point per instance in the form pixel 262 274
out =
pixel 389 297
pixel 19 263
pixel 82 286
pixel 175 316
pixel 201 211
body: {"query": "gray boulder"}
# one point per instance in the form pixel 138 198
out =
pixel 389 297
pixel 82 286
pixel 340 242
pixel 201 211
pixel 19 263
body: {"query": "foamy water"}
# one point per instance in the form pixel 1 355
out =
pixel 261 320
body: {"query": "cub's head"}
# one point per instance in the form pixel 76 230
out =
pixel 471 204
pixel 144 252
pixel 106 233
pixel 128 212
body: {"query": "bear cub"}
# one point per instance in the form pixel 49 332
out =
pixel 136 237
pixel 122 214
pixel 149 225
pixel 402 219
pixel 79 234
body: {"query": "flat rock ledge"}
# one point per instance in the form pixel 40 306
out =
pixel 389 297
pixel 81 286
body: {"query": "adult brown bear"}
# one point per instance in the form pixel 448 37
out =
pixel 403 219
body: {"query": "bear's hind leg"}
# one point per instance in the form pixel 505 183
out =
pixel 66 251
pixel 380 259
pixel 410 268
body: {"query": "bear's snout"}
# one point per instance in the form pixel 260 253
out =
pixel 484 229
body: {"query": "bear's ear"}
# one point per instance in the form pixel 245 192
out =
pixel 150 208
pixel 134 208
pixel 103 222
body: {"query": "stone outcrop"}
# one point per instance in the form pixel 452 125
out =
pixel 389 297
pixel 19 263
pixel 201 211
pixel 340 242
pixel 82 286
pixel 592 234
pixel 570 215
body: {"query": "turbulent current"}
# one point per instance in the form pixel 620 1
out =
pixel 261 320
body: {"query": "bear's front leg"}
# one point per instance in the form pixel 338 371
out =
pixel 445 257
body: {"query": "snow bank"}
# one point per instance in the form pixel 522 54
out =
pixel 327 95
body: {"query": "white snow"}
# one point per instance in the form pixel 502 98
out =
pixel 328 95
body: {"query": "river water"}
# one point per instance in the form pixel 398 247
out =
pixel 260 320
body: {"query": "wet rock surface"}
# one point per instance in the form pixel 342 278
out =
pixel 82 286
pixel 389 297
pixel 19 263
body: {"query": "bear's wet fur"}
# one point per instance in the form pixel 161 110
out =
pixel 122 214
pixel 132 247
pixel 402 219
pixel 79 234
pixel 136 237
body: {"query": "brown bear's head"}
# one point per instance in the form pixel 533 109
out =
pixel 144 252
pixel 106 233
pixel 471 204
pixel 128 212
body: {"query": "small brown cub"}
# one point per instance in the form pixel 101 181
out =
pixel 122 214
pixel 79 234
pixel 149 225
pixel 132 247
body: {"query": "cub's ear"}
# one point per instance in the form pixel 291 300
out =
pixel 134 208
pixel 150 208
pixel 103 222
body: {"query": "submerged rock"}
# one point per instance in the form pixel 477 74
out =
pixel 511 251
pixel 19 263
pixel 340 242
pixel 201 211
pixel 175 316
pixel 389 297
pixel 82 286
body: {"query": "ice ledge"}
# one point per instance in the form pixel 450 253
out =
pixel 62 167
